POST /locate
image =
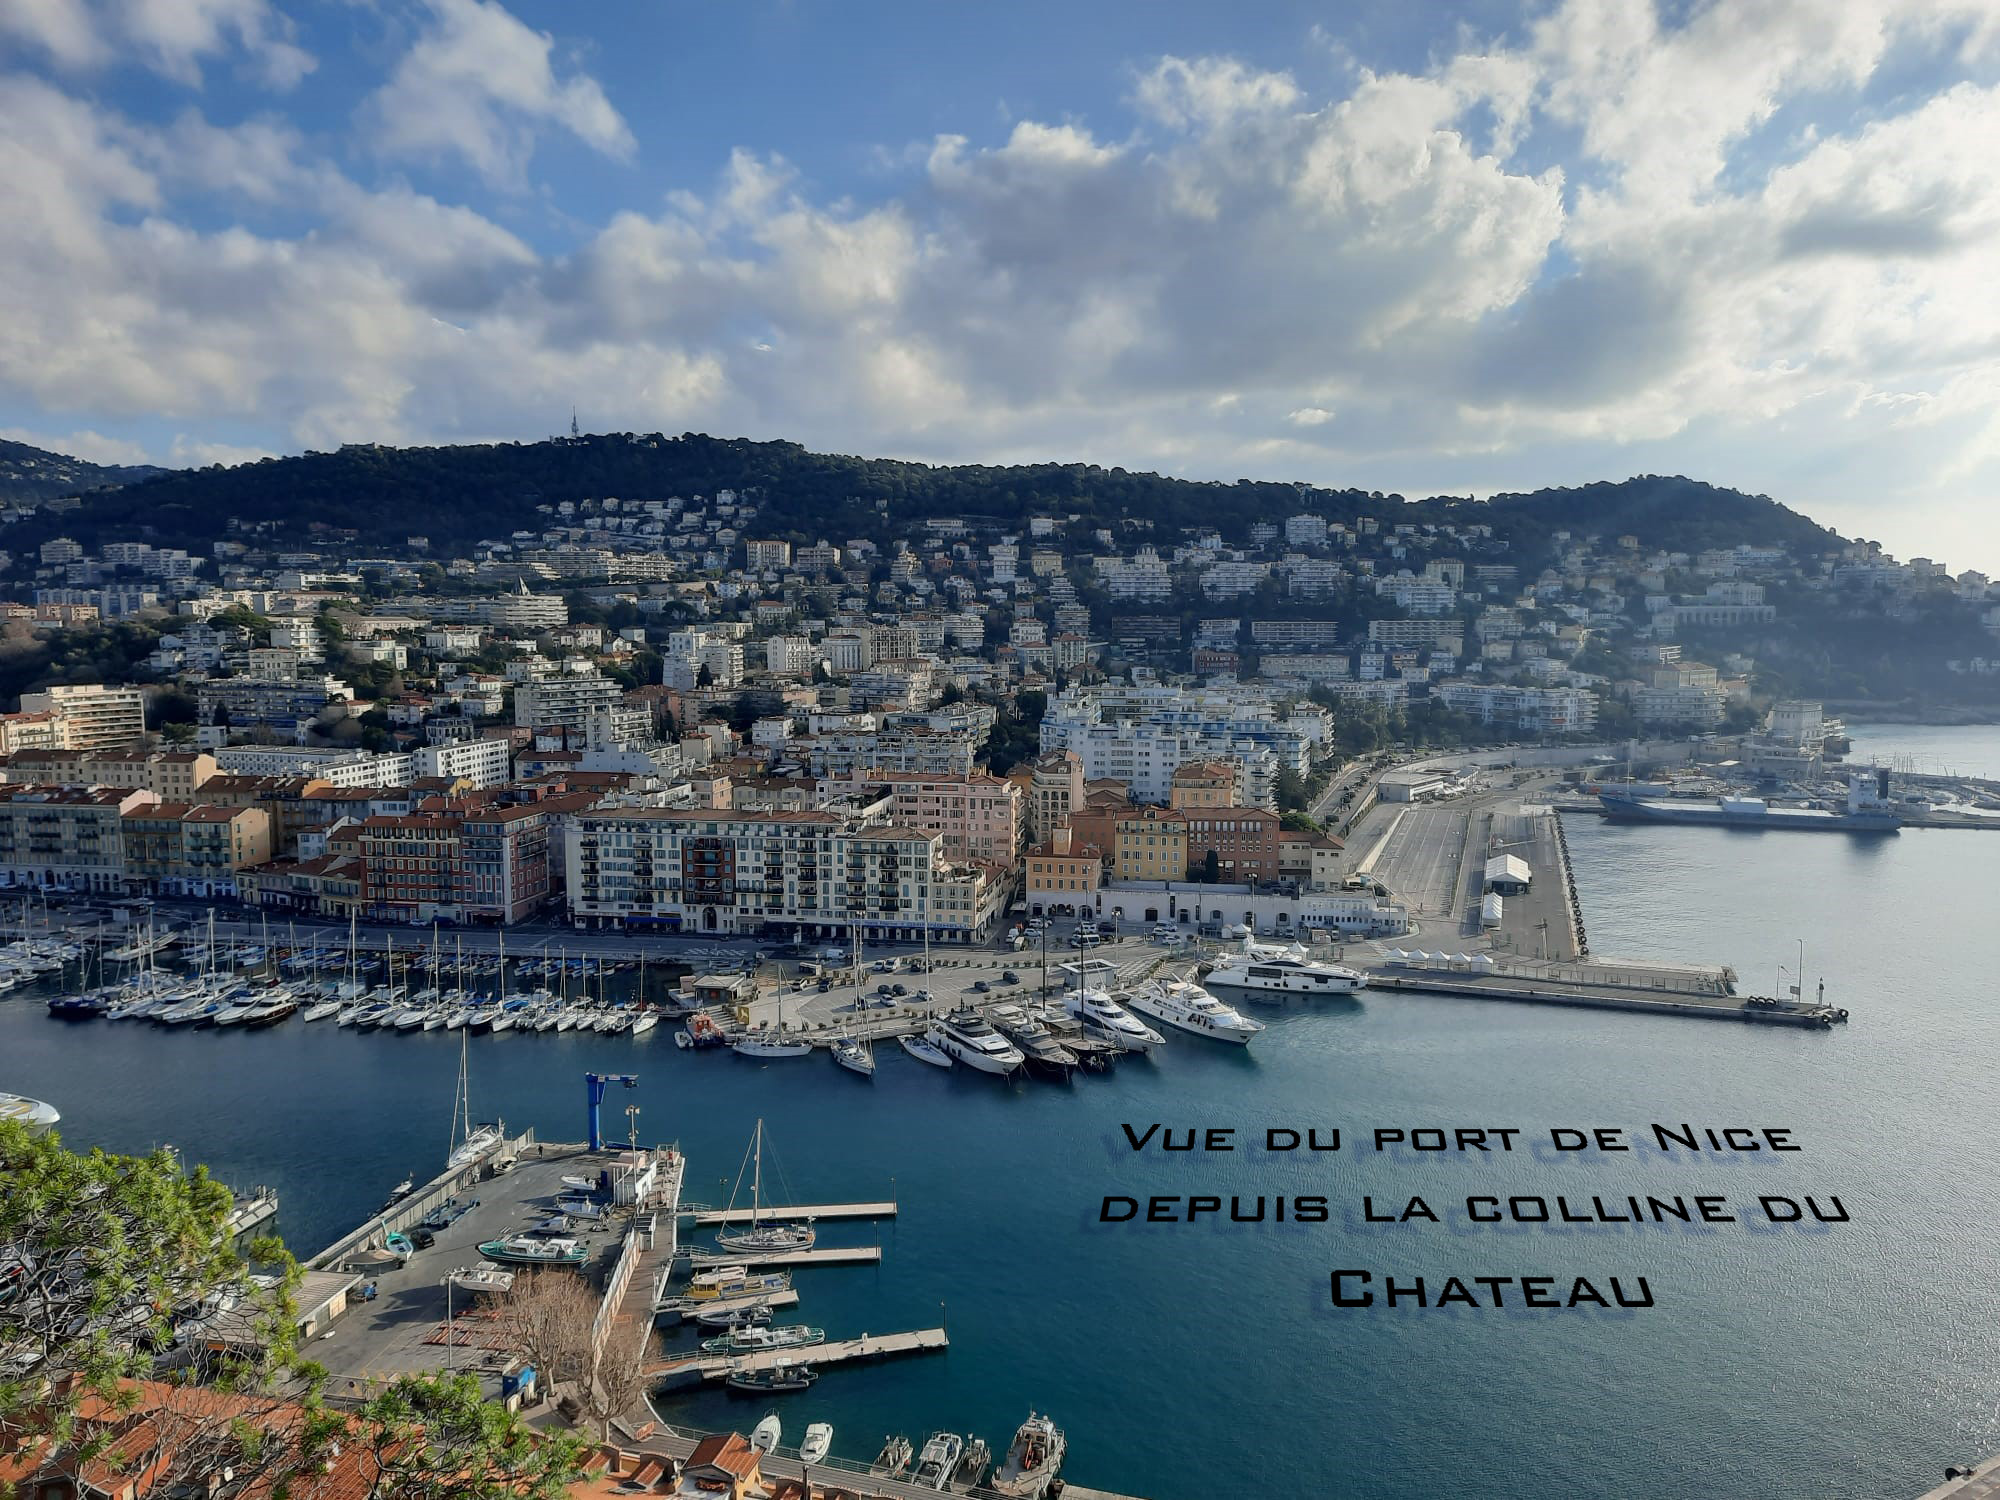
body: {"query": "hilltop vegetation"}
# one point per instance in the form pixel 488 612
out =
pixel 458 495
pixel 31 475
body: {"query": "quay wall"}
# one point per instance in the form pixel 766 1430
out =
pixel 417 1207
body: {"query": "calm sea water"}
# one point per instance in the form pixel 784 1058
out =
pixel 1937 749
pixel 1851 1360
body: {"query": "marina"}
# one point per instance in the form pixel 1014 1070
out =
pixel 703 1217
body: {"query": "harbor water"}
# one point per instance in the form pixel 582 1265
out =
pixel 1852 1359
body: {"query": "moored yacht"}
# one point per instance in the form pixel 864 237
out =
pixel 1039 1046
pixel 966 1036
pixel 1187 1006
pixel 1283 969
pixel 1107 1018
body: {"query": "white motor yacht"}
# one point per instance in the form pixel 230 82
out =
pixel 1105 1016
pixel 966 1036
pixel 1283 969
pixel 1188 1007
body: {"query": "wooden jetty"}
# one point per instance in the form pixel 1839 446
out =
pixel 758 1260
pixel 686 1309
pixel 690 1369
pixel 704 1217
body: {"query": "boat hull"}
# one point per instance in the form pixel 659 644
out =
pixel 1714 815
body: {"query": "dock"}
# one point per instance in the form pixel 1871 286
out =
pixel 690 1369
pixel 1530 991
pixel 703 1217
pixel 761 1260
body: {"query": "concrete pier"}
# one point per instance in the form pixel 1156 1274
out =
pixel 760 1260
pixel 688 1370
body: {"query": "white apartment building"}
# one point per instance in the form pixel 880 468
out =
pixel 564 702
pixel 336 767
pixel 1532 710
pixel 483 762
pixel 1144 575
pixel 92 717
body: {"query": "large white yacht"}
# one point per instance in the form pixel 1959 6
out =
pixel 1186 1005
pixel 1105 1016
pixel 966 1036
pixel 1283 968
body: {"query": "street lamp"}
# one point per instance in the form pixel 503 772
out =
pixel 450 1332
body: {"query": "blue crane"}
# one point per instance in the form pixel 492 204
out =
pixel 594 1086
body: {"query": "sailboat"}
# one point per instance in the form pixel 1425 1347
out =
pixel 766 1042
pixel 468 1141
pixel 856 1054
pixel 763 1234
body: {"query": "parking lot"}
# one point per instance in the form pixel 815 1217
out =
pixel 403 1329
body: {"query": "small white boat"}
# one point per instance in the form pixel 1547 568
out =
pixel 764 1436
pixel 644 1022
pixel 819 1438
pixel 923 1051
pixel 855 1056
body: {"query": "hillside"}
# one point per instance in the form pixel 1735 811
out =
pixel 30 475
pixel 457 495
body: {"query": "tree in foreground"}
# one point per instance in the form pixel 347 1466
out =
pixel 115 1267
pixel 133 1336
pixel 435 1438
pixel 547 1318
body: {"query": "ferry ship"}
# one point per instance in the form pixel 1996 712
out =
pixel 1867 810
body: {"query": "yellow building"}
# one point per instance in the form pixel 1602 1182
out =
pixel 1204 783
pixel 1149 843
pixel 1061 873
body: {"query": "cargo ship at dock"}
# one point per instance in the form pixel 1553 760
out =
pixel 1867 810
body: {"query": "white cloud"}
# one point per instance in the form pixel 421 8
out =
pixel 92 447
pixel 479 85
pixel 1619 246
pixel 173 37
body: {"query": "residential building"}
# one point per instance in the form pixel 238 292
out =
pixel 1061 874
pixel 1532 710
pixel 1149 843
pixel 978 817
pixel 94 717
pixel 183 849
pixel 65 837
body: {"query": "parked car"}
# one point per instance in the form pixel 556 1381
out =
pixel 1008 976
pixel 980 987
pixel 422 1238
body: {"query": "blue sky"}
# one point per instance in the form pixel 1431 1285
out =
pixel 1412 248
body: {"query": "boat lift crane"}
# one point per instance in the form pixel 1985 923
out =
pixel 594 1086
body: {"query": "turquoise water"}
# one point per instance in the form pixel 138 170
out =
pixel 1856 1359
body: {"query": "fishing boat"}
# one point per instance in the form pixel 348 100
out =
pixel 855 1055
pixel 1187 1006
pixel 527 1250
pixel 772 1379
pixel 923 1051
pixel 483 1277
pixel 893 1459
pixel 400 1245
pixel 973 1466
pixel 756 1340
pixel 1032 1462
pixel 818 1442
pixel 735 1282
pixel 764 1436
pixel 966 1036
pixel 763 1234
pixel 935 1464
pixel 700 1031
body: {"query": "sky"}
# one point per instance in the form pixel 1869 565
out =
pixel 1427 249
